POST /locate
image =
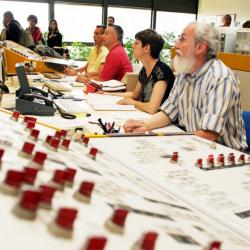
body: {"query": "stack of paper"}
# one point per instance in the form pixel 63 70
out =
pixel 107 102
pixel 112 85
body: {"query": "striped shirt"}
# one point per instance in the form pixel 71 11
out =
pixel 209 99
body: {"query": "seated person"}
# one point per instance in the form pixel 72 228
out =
pixel 54 36
pixel 117 62
pixel 96 58
pixel 34 30
pixel 12 28
pixel 205 97
pixel 155 78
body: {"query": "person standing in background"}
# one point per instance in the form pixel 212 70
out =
pixel 110 21
pixel 227 19
pixel 54 36
pixel 34 30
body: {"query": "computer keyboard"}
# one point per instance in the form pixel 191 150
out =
pixel 57 85
pixel 70 106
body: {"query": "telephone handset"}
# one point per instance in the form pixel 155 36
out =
pixel 33 97
pixel 39 91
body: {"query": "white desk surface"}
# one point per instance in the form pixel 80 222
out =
pixel 119 117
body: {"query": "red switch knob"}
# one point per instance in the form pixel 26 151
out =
pixel 58 134
pixel 86 188
pixel 116 223
pixel 63 224
pixel 59 179
pixel 29 119
pixel 12 183
pixel 93 152
pixel 28 204
pixel 210 160
pixel 231 158
pixel 64 133
pixel 65 144
pixel 119 216
pixel 27 148
pixel 34 134
pixel 85 140
pixel 215 245
pixel 221 160
pixel 85 191
pixel 48 139
pixel 69 176
pixel 54 143
pixel 1 153
pixel 96 243
pixel 174 157
pixel 148 241
pixel 15 115
pixel 242 159
pixel 65 218
pixel 47 193
pixel 30 125
pixel 30 199
pixel 199 163
pixel 29 175
pixel 39 158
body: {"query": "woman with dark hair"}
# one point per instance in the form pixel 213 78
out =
pixel 34 30
pixel 54 36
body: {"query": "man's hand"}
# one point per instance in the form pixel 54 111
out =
pixel 70 72
pixel 135 126
pixel 126 101
pixel 82 78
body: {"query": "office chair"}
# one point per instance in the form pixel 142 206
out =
pixel 246 118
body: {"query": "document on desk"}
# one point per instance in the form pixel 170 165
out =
pixel 72 81
pixel 108 102
pixel 110 83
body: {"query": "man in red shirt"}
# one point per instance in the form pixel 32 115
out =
pixel 117 62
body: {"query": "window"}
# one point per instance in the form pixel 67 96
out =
pixel 21 11
pixel 131 20
pixel 172 22
pixel 77 22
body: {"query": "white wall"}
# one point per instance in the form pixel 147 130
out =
pixel 221 7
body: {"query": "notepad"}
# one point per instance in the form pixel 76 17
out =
pixel 107 102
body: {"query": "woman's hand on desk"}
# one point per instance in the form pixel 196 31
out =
pixel 126 101
pixel 135 126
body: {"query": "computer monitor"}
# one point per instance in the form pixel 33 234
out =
pixel 242 44
pixel 227 37
pixel 23 79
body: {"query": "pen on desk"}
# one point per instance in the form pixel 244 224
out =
pixel 96 123
pixel 83 115
pixel 102 126
pixel 136 134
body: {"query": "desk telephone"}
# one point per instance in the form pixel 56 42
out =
pixel 31 100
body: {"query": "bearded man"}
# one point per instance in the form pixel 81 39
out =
pixel 205 97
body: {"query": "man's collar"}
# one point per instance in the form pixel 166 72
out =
pixel 202 70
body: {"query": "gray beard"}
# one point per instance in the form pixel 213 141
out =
pixel 183 64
